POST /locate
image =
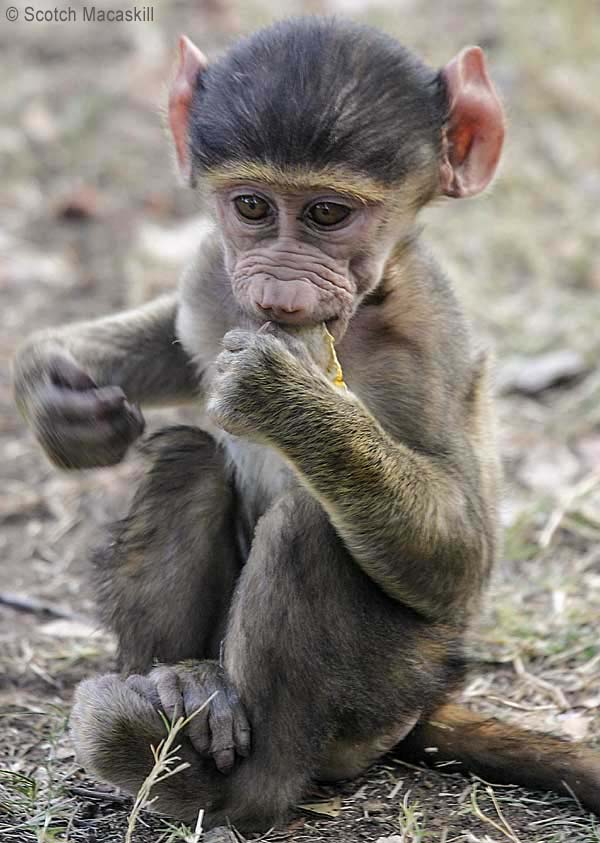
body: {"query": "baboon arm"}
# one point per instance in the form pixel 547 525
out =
pixel 414 525
pixel 137 350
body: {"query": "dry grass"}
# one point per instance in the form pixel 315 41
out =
pixel 166 764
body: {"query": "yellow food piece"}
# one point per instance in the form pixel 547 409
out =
pixel 334 369
pixel 320 344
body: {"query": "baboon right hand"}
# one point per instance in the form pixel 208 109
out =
pixel 78 423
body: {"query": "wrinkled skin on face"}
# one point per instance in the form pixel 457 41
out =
pixel 301 258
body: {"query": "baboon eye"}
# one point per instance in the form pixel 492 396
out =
pixel 252 207
pixel 328 213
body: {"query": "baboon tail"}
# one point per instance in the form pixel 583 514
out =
pixel 504 754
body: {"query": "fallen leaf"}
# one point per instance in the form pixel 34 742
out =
pixel 549 467
pixel 78 204
pixel 296 825
pixel 64 628
pixel 39 123
pixel 22 267
pixel 575 725
pixel 533 375
pixel 374 806
pixel 331 808
pixel 173 244
pixel 22 504
pixel 588 448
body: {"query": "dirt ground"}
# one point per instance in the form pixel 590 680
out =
pixel 92 220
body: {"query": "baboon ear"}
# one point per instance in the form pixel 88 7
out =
pixel 192 63
pixel 474 131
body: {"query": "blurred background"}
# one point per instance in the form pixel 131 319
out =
pixel 92 220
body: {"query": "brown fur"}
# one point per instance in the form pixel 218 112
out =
pixel 337 542
pixel 463 741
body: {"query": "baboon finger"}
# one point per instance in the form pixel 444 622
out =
pixel 169 691
pixel 195 697
pixel 145 687
pixel 241 726
pixel 222 742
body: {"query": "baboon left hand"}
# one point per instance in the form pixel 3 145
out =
pixel 220 730
pixel 251 372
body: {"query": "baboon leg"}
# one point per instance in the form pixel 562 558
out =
pixel 309 648
pixel 166 577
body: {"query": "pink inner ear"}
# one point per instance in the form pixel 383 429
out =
pixel 192 62
pixel 475 128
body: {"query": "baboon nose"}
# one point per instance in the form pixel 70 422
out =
pixel 280 311
pixel 291 303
